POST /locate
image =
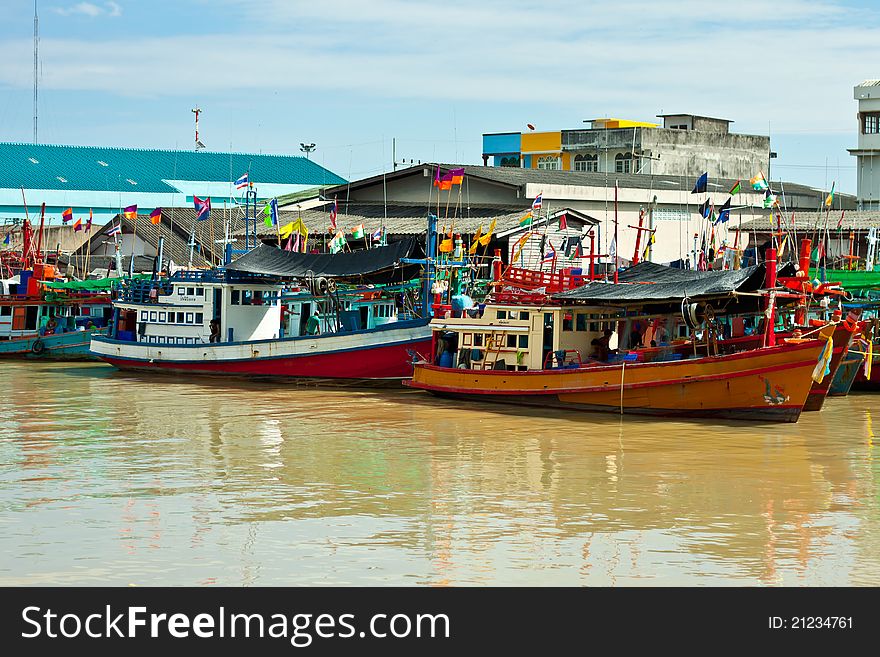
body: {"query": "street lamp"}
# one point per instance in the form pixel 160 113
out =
pixel 306 148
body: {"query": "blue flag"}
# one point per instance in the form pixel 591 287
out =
pixel 8 238
pixel 705 208
pixel 723 212
pixel 702 182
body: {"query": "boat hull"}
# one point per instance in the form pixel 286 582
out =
pixel 381 354
pixel 846 374
pixel 770 384
pixel 73 345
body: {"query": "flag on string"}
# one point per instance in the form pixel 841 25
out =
pixel 131 212
pixel 242 182
pixel 358 231
pixel 446 245
pixel 538 202
pixel 823 368
pixel 485 239
pixel 156 216
pixel 563 222
pixel 830 198
pixel 297 227
pixel 337 243
pixel 289 245
pixel 770 199
pixel 203 208
pixel 701 184
pixel 270 213
pixel 526 220
pixel 704 208
pixel 67 215
pixel 334 210
pixel 759 183
pixel 723 212
pixel 77 225
pixel 475 242
pixel 737 186
pixel 115 230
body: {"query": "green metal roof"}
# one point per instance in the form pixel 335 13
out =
pixel 44 166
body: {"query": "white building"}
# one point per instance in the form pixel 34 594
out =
pixel 868 151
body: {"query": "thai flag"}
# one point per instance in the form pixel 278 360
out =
pixel 550 255
pixel 536 204
pixel 115 230
pixel 242 182
pixel 203 208
pixel 377 236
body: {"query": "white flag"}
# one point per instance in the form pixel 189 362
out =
pixel 612 249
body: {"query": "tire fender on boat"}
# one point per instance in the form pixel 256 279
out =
pixel 38 346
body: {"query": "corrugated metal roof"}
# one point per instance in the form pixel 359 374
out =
pixel 852 220
pixel 869 83
pixel 99 168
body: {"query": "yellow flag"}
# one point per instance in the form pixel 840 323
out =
pixel 822 368
pixel 485 239
pixel 446 246
pixel 298 226
pixel 869 360
pixel 476 241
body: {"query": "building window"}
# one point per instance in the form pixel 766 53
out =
pixel 180 318
pixel 501 314
pixel 622 162
pixel 871 123
pixel 510 162
pixel 586 163
pixel 143 315
pixel 581 322
pixel 152 315
pixel 161 317
pixel 523 342
pixel 235 297
pixel 524 315
pixel 550 162
pixel 567 322
pixel 478 339
pixel 511 341
pixel 189 318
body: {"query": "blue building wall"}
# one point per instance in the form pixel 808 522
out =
pixel 506 143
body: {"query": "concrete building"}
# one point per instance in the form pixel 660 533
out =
pixel 407 195
pixel 685 145
pixel 868 152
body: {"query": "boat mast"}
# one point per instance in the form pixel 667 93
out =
pixel 36 65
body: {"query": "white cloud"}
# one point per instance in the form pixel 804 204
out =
pixel 591 58
pixel 91 10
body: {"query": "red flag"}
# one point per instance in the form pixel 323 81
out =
pixel 840 223
pixel 563 223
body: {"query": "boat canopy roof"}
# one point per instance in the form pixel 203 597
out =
pixel 650 283
pixel 272 261
pixel 90 284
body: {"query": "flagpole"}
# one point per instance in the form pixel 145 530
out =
pixel 616 244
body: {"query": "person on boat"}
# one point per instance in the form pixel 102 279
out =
pixel 635 338
pixel 51 325
pixel 215 331
pixel 313 325
pixel 90 325
pixel 602 346
pixel 154 295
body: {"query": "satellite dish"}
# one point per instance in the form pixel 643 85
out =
pixel 530 126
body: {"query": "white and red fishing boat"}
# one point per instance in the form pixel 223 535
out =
pixel 243 321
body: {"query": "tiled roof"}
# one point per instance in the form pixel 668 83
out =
pixel 519 177
pixel 98 168
pixel 860 220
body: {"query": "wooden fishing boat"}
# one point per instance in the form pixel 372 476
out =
pixel 768 384
pixel 239 322
pixel 846 372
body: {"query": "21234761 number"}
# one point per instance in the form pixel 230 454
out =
pixel 810 623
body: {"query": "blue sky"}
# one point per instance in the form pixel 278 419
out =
pixel 351 75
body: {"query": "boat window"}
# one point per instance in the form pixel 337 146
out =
pixel 502 314
pixel 152 315
pixel 523 342
pixel 235 297
pixel 6 311
pixel 524 315
pixel 180 318
pixel 511 340
pixel 581 322
pixel 189 318
pixel 567 322
pixel 200 319
pixel 478 339
pixel 170 318
pixel 247 297
pixel 181 291
pixel 161 317
pixel 258 298
pixel 200 291
pixel 191 291
pixel 143 315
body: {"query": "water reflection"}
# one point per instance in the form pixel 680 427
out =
pixel 112 478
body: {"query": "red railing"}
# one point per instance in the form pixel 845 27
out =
pixel 530 279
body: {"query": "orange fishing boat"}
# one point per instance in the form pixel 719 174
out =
pixel 767 384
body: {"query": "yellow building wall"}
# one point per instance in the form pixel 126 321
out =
pixel 532 142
